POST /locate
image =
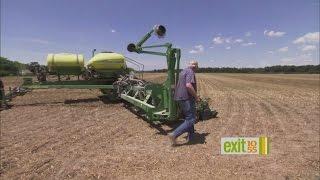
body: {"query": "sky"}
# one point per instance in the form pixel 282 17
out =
pixel 216 33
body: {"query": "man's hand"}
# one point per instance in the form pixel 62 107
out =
pixel 198 99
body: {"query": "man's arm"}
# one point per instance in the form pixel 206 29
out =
pixel 191 90
pixel 190 78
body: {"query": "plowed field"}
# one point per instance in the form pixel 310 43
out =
pixel 74 134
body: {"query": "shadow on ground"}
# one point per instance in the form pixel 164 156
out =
pixel 172 124
pixel 199 138
pixel 104 99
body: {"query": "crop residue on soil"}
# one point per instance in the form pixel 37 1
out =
pixel 73 134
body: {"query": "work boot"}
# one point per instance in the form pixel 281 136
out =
pixel 172 139
pixel 189 138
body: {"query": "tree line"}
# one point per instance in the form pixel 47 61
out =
pixel 13 68
pixel 306 69
pixel 10 68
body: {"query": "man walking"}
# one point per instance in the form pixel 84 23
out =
pixel 186 95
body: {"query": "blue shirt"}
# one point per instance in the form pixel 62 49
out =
pixel 181 92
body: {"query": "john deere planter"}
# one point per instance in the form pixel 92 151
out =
pixel 108 72
pixel 65 64
pixel 107 65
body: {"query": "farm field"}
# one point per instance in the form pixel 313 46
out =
pixel 74 134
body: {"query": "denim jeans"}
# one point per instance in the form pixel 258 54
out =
pixel 188 108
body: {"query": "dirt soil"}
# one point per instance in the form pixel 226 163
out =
pixel 73 134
